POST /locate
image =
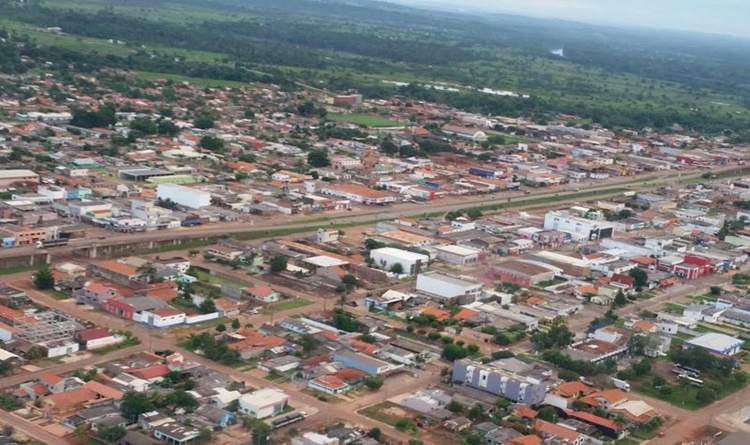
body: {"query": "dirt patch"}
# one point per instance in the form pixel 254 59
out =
pixel 394 411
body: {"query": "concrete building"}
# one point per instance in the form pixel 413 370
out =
pixel 586 229
pixel 10 177
pixel 311 438
pixel 184 196
pixel 523 272
pixel 571 265
pixel 263 403
pixel 716 343
pixel 411 263
pixel 447 288
pixel 459 255
pixel 517 382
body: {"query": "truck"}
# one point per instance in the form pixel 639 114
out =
pixel 43 244
pixel 630 193
pixel 622 384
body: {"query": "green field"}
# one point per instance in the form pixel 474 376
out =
pixel 290 304
pixel 365 119
pixel 197 81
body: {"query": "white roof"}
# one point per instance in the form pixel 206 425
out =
pixel 6 355
pixel 324 261
pixel 9 174
pixel 265 397
pixel 401 254
pixel 715 341
pixel 458 250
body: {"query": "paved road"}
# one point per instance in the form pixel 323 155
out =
pixel 518 201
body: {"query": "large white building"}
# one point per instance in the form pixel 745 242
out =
pixel 8 177
pixel 459 254
pixel 263 403
pixel 184 196
pixel 585 229
pixel 411 263
pixel 445 287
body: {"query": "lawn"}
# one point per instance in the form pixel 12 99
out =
pixel 365 119
pixel 290 304
pixel 685 397
pixel 133 341
pixel 19 269
pixel 214 279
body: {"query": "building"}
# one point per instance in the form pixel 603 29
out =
pixel 586 229
pixel 162 318
pixel 571 265
pixel 411 263
pixel 97 338
pixel 224 252
pixel 525 386
pixel 10 177
pixel 264 293
pixel 362 362
pixel 176 433
pixel 184 196
pixel 95 293
pixel 263 403
pixel 347 100
pixel 717 343
pixel 459 255
pixel 329 384
pixel 471 134
pixel 447 288
pixel 359 193
pixel 523 272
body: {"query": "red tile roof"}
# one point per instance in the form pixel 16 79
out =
pixel 594 420
pixel 330 382
pixel 553 429
pixel 50 378
pixel 93 334
pixel 149 372
pixel 349 374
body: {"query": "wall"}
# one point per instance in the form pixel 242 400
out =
pixel 201 318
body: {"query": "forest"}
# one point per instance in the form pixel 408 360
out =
pixel 617 77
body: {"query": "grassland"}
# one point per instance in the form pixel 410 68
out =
pixel 290 304
pixel 365 119
pixel 197 81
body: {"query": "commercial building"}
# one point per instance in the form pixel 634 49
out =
pixel 362 362
pixel 511 379
pixel 716 343
pixel 263 403
pixel 184 196
pixel 571 265
pixel 359 193
pixel 329 384
pixel 524 272
pixel 447 288
pixel 10 177
pixel 411 263
pixel 459 255
pixel 586 229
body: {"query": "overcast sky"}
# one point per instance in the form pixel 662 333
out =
pixel 711 16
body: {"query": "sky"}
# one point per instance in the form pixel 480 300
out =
pixel 708 16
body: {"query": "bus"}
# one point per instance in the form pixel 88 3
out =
pixel 288 420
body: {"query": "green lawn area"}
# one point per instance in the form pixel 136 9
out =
pixel 674 308
pixel 18 269
pixel 290 304
pixel 365 119
pixel 685 397
pixel 376 412
pixel 111 348
pixel 213 279
pixel 197 81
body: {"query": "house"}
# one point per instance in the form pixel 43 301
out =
pixel 263 403
pixel 136 438
pixel 95 293
pixel 472 134
pixel 457 424
pixel 223 397
pixel 56 384
pixel 162 317
pixel 555 431
pixel 263 293
pixel 459 255
pixel 284 363
pixel 362 362
pixel 215 415
pixel 224 252
pixel 90 392
pixel 228 308
pixel 176 433
pixel 390 300
pixel 97 338
pixel 115 272
pixel 329 384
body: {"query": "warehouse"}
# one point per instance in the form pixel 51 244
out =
pixel 411 263
pixel 447 288
pixel 362 362
pixel 459 255
pixel 184 196
pixel 716 343
pixel 9 177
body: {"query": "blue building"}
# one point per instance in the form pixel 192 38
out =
pixel 362 362
pixel 79 193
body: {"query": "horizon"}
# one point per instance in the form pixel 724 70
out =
pixel 723 17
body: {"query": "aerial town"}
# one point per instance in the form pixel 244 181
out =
pixel 248 265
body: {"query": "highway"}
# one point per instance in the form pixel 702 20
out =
pixel 511 200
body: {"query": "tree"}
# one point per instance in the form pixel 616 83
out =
pixel 44 280
pixel 454 407
pixel 373 382
pixel 81 433
pixel 208 306
pixel 308 343
pixel 136 403
pixel 474 214
pixel 548 413
pixel 147 271
pixel 371 244
pixel 568 375
pixel 640 278
pixel 472 348
pixel 203 121
pixel 236 323
pixel 35 352
pixel 262 434
pixel 475 412
pixel 454 352
pixel 705 395
pixel 220 327
pixel 278 263
pixel 144 125
pixel 350 281
pixel 318 159
pixel 397 268
pixel 620 299
pixel 642 368
pixel 716 290
pixel 375 433
pixel 112 433
pixel 658 381
pixel 368 338
pixel 212 143
pixel 167 128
